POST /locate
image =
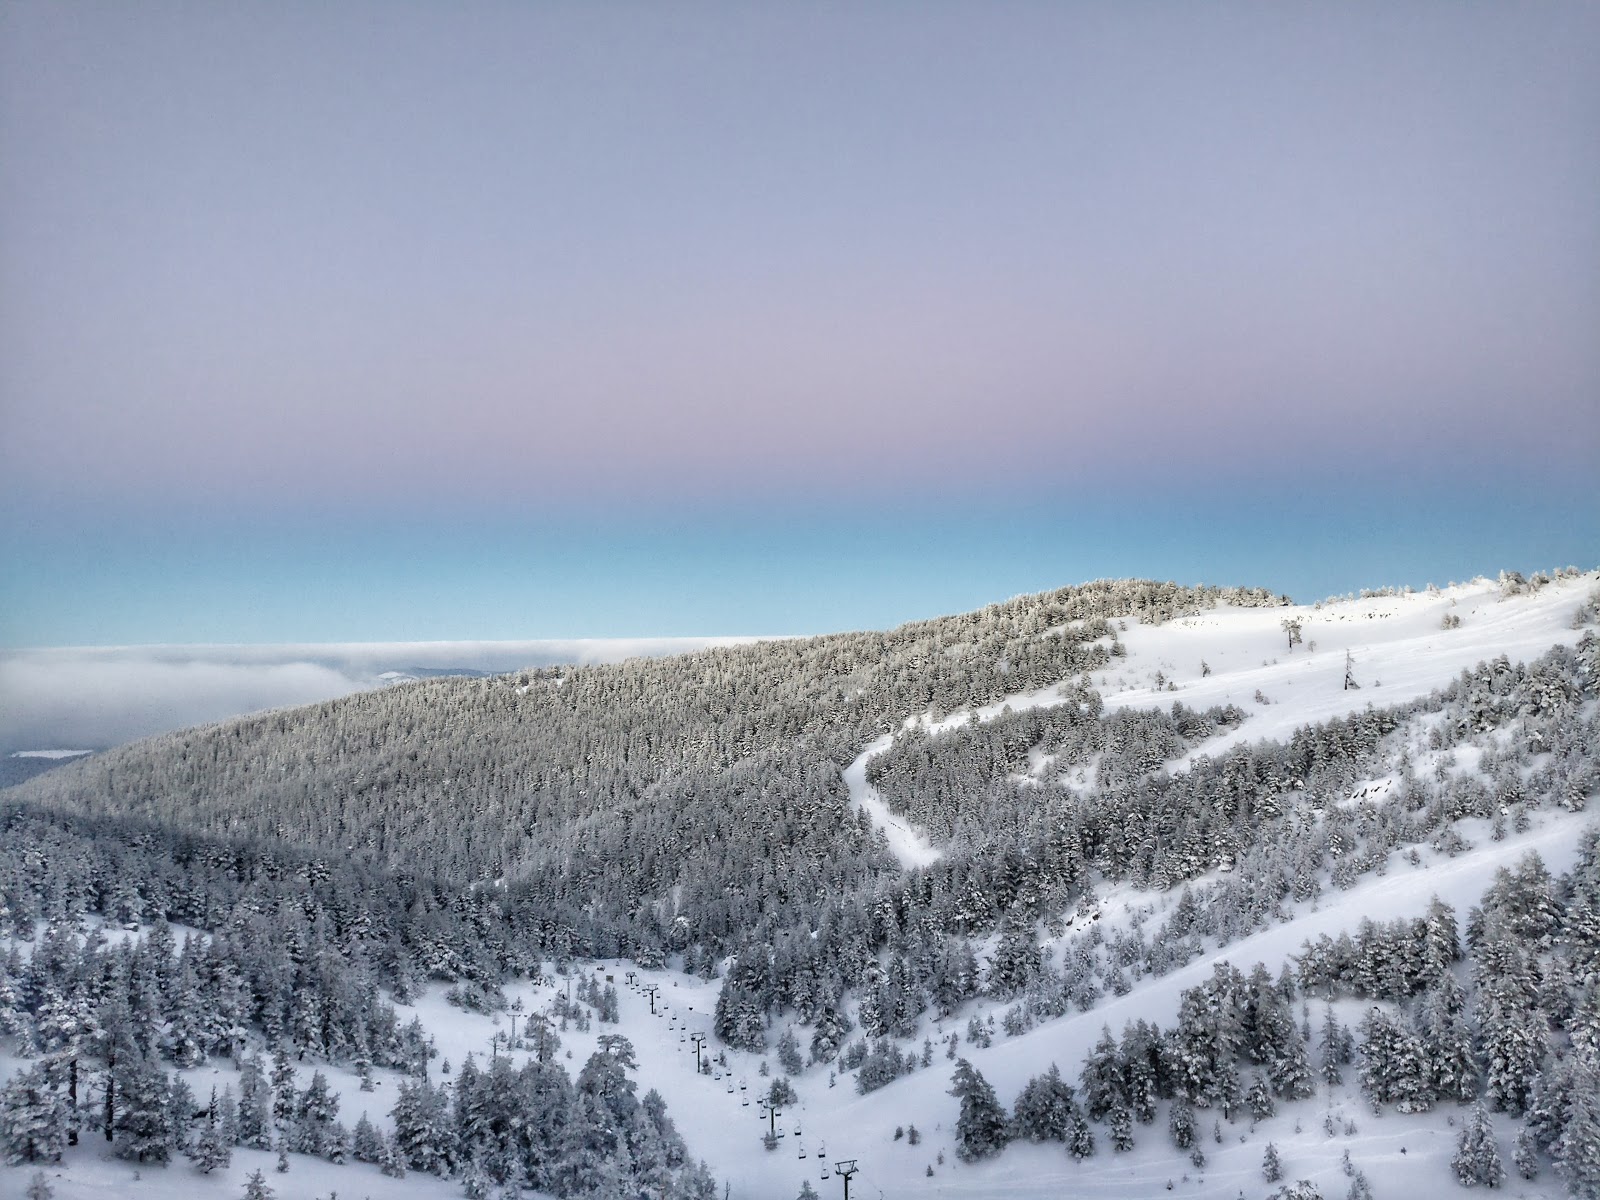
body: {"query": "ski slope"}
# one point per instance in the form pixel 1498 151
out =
pixel 1398 651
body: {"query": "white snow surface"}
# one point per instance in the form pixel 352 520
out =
pixel 906 842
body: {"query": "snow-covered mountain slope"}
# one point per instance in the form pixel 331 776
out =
pixel 1394 647
pixel 1397 647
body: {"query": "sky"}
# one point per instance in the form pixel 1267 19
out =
pixel 377 322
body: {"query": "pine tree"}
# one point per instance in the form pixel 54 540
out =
pixel 1180 1124
pixel 981 1127
pixel 211 1151
pixel 1258 1098
pixel 1016 958
pixel 33 1117
pixel 180 1111
pixel 211 1148
pixel 1142 1069
pixel 1577 1150
pixel 284 1094
pixel 1394 1068
pixel 1440 942
pixel 789 1052
pixel 1526 1155
pixel 39 1188
pixel 1515 1045
pixel 1043 1111
pixel 255 1187
pixel 1102 1077
pixel 255 1106
pixel 1273 1039
pixel 422 1134
pixel 1271 1164
pixel 1477 1158
pixel 1080 1137
pixel 228 1117
pixel 143 1121
pixel 1447 1041
pixel 367 1142
pixel 316 1112
pixel 1121 1128
pixel 1335 1049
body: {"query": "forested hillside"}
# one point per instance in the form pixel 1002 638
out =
pixel 640 808
pixel 693 816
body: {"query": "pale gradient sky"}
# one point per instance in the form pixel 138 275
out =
pixel 507 320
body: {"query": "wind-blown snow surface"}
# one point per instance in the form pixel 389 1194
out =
pixel 1399 650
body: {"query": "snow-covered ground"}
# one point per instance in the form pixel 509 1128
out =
pixel 906 842
pixel 1398 648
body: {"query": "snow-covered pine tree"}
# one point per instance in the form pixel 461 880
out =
pixel 284 1093
pixel 1258 1098
pixel 33 1117
pixel 1143 1069
pixel 1477 1158
pixel 1526 1155
pixel 1577 1150
pixel 1016 958
pixel 316 1112
pixel 1102 1078
pixel 142 1125
pixel 1447 1040
pixel 789 1052
pixel 1043 1111
pixel 981 1126
pixel 366 1142
pixel 255 1106
pixel 1271 1164
pixel 1121 1127
pixel 423 1138
pixel 211 1150
pixel 1394 1068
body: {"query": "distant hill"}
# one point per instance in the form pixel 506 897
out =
pixel 19 766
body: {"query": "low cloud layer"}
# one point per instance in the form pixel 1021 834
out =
pixel 94 697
